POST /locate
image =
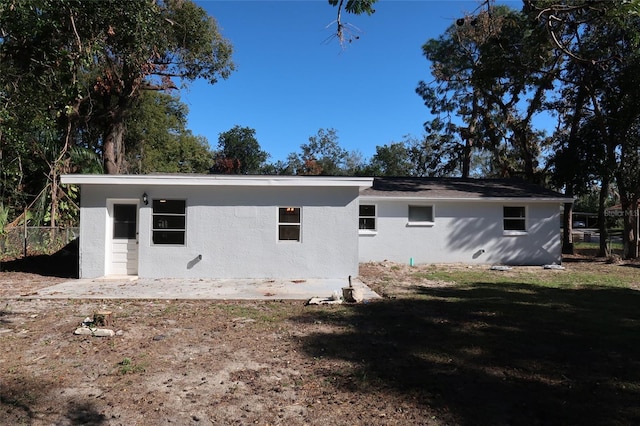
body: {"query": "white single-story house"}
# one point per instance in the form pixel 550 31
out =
pixel 218 226
pixel 452 220
pixel 299 227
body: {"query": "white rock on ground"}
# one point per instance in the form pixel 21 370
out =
pixel 98 332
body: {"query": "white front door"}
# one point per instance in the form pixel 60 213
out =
pixel 124 239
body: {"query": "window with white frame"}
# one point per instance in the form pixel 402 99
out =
pixel 169 221
pixel 367 217
pixel 289 223
pixel 420 215
pixel 515 218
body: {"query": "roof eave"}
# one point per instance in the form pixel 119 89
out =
pixel 218 180
pixel 531 199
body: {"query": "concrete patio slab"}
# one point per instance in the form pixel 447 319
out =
pixel 198 289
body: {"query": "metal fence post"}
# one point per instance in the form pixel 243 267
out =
pixel 25 233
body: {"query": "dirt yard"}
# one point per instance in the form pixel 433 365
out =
pixel 266 363
pixel 177 362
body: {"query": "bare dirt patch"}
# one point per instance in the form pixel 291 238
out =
pixel 24 284
pixel 179 362
pixel 430 353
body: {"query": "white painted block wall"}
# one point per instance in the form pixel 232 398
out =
pixel 234 229
pixel 463 232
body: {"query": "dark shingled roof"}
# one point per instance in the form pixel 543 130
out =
pixel 457 188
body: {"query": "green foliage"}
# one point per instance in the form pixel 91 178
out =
pixel 239 152
pixel 346 32
pixel 491 73
pixel 357 7
pixel 323 155
pixel 588 202
pixel 411 157
pixel 157 139
pixel 58 62
pixel 567 23
pixel 4 218
pixel 597 140
pixel 70 85
pixel 495 71
pixel 127 366
pixel 391 160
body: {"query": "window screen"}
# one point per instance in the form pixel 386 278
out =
pixel 514 218
pixel 289 223
pixel 420 213
pixel 367 217
pixel 169 222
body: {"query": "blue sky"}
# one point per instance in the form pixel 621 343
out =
pixel 293 79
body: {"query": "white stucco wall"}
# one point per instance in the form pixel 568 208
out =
pixel 234 229
pixel 463 231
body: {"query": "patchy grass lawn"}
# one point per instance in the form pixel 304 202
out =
pixel 525 346
pixel 448 345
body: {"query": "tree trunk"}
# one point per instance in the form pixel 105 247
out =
pixel 604 235
pixel 521 138
pixel 635 220
pixel 567 227
pixel 466 161
pixel 54 196
pixel 113 148
pixel 469 138
pixel 529 167
pixel 55 185
pixel 630 227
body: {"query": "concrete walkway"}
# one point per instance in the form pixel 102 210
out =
pixel 201 289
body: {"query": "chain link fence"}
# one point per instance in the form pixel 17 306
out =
pixel 20 242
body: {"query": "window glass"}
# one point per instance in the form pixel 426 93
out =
pixel 289 233
pixel 161 221
pixel 124 221
pixel 514 218
pixel 420 213
pixel 289 215
pixel 289 223
pixel 169 206
pixel 169 221
pixel 176 237
pixel 367 217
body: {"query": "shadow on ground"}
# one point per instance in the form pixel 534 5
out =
pixel 496 354
pixel 63 263
pixel 19 394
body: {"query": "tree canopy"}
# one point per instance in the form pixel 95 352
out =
pixel 83 65
pixel 496 71
pixel 239 152
pixel 491 73
pixel 158 140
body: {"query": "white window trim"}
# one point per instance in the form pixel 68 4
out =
pixel 299 224
pixel 514 232
pixel 424 223
pixel 508 233
pixel 375 217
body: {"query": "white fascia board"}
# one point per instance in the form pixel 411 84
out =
pixel 218 180
pixel 470 199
